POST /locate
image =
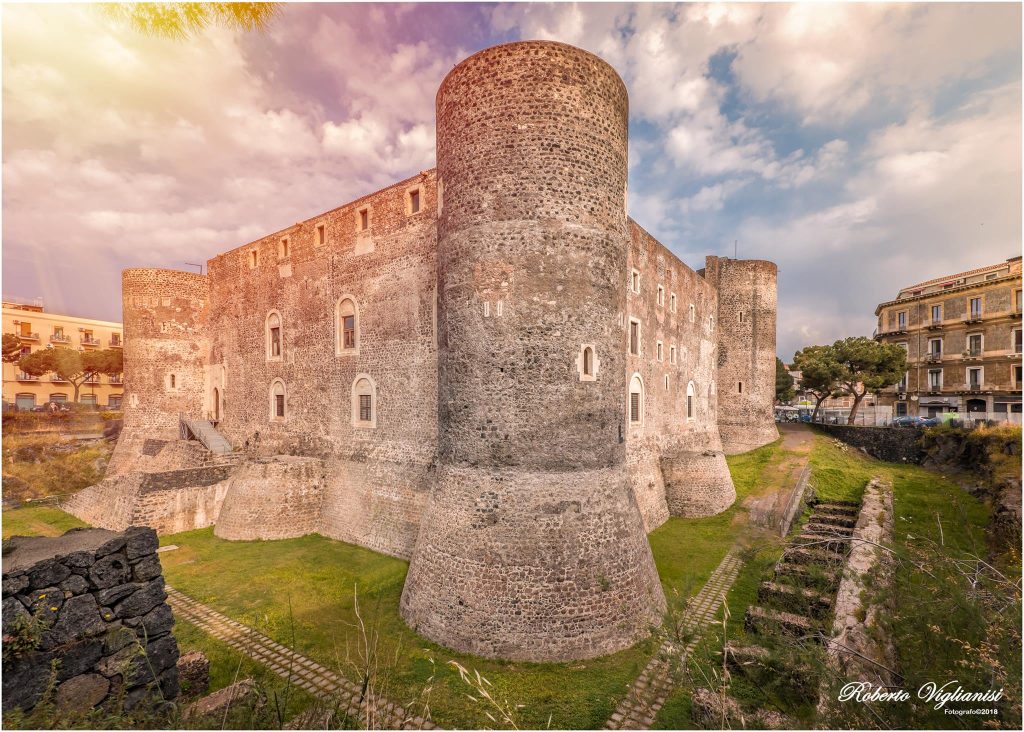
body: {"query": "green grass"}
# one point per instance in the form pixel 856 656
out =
pixel 38 521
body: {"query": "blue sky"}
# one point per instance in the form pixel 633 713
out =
pixel 861 147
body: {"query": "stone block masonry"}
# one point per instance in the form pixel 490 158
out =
pixel 86 615
pixel 892 444
pixel 487 368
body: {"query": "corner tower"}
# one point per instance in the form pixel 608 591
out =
pixel 532 546
pixel 747 298
pixel 165 315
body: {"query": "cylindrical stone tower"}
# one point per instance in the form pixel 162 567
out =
pixel 532 546
pixel 747 297
pixel 165 315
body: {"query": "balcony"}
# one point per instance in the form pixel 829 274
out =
pixel 933 357
pixel 116 342
pixel 973 317
pixel 55 338
pixel 974 386
pixel 58 379
pixel 116 379
pixel 934 325
pixel 1015 313
pixel 94 379
pixel 22 376
pixel 935 388
pixel 973 354
pixel 90 341
pixel 29 336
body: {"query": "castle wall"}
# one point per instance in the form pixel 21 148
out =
pixel 676 462
pixel 278 498
pixel 747 298
pixel 389 273
pixel 532 546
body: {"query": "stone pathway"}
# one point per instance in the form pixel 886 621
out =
pixel 638 709
pixel 292 666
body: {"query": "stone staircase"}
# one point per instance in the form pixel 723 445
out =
pixel 204 431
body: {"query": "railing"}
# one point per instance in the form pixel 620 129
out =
pixel 933 357
pixel 60 338
pixel 90 341
pixel 974 317
pixel 22 376
pixel 94 379
pixel 29 336
pixel 934 324
pixel 974 386
pixel 116 379
pixel 59 379
pixel 116 343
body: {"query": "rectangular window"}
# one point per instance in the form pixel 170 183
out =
pixel 1017 300
pixel 364 219
pixel 279 405
pixel 282 250
pixel 975 308
pixel 275 341
pixel 1017 375
pixel 115 339
pixel 935 347
pixel 903 382
pixel 26 328
pixel 689 406
pixel 901 320
pixel 936 314
pixel 672 303
pixel 935 378
pixel 58 332
pixel 693 314
pixel 974 344
pixel 321 235
pixel 634 281
pixel 661 296
pixel 1017 341
pixel 671 354
pixel 349 331
pixel 634 407
pixel 365 408
pixel 660 354
pixel 975 378
pixel 414 201
pixel 634 337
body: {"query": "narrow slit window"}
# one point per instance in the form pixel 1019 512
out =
pixel 364 219
pixel 588 361
pixel 282 251
pixel 254 258
pixel 321 235
pixel 634 337
pixel 414 201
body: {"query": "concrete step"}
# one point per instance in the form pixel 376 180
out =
pixel 739 657
pixel 808 573
pixel 833 507
pixel 822 542
pixel 766 621
pixel 805 599
pixel 800 555
pixel 840 519
pixel 828 528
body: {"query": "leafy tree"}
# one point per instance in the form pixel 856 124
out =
pixel 867 365
pixel 819 374
pixel 11 348
pixel 784 391
pixel 181 21
pixel 73 366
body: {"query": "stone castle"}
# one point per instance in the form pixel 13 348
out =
pixel 488 369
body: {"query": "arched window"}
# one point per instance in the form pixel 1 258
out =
pixel 274 339
pixel 278 401
pixel 690 406
pixel 364 402
pixel 346 326
pixel 636 400
pixel 587 363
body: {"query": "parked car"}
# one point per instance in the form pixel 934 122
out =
pixel 930 422
pixel 908 420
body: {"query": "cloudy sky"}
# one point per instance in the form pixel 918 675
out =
pixel 861 147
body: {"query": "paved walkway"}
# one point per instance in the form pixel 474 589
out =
pixel 294 667
pixel 638 709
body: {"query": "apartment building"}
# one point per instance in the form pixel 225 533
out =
pixel 39 329
pixel 962 333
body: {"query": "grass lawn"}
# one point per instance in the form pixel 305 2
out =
pixel 38 521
